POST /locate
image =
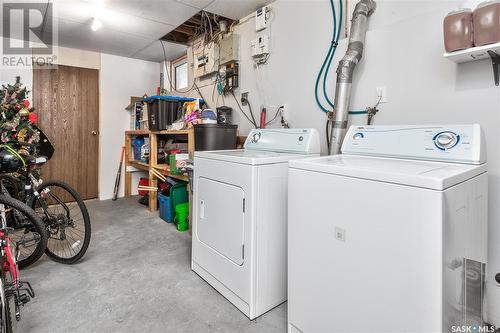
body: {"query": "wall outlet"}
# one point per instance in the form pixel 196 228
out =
pixel 381 94
pixel 340 234
pixel 244 98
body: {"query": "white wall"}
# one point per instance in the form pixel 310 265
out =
pixel 403 51
pixel 120 78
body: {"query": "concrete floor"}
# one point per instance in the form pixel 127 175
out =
pixel 135 277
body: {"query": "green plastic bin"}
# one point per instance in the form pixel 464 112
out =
pixel 181 216
pixel 178 195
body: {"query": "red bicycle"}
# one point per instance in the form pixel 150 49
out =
pixel 14 293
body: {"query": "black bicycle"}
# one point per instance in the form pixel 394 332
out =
pixel 59 206
pixel 26 229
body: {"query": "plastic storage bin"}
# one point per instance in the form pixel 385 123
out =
pixel 164 110
pixel 215 136
pixel 178 195
pixel 181 216
pixel 458 30
pixel 487 23
pixel 165 208
pixel 163 113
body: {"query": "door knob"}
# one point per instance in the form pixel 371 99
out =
pixel 94 133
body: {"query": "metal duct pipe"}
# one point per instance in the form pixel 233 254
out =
pixel 353 55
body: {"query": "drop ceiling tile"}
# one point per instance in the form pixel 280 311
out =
pixel 82 12
pixel 200 4
pixel 73 10
pixel 235 9
pixel 135 25
pixel 111 42
pixel 154 51
pixel 165 11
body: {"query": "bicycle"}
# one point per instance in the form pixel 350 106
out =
pixel 14 293
pixel 27 230
pixel 68 229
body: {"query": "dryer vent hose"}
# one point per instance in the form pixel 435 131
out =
pixel 345 71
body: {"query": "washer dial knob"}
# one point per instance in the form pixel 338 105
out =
pixel 256 137
pixel 358 136
pixel 446 140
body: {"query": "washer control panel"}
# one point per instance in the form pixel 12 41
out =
pixel 447 143
pixel 298 141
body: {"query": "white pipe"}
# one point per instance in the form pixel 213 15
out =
pixel 353 55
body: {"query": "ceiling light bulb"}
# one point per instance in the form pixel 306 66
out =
pixel 96 24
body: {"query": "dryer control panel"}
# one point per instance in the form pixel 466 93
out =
pixel 446 143
pixel 296 141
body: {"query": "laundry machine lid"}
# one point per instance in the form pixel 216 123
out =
pixel 425 174
pixel 250 157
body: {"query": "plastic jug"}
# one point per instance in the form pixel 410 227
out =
pixel 458 30
pixel 487 23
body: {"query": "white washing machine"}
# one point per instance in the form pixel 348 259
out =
pixel 391 235
pixel 240 211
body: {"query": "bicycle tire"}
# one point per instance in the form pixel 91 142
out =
pixel 6 318
pixel 37 223
pixel 13 186
pixel 86 219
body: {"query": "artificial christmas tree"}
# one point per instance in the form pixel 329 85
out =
pixel 17 118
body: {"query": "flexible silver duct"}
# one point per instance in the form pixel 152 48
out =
pixel 359 23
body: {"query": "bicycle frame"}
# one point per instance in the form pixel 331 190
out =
pixel 9 265
pixel 30 185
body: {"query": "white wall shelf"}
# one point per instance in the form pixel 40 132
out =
pixel 491 51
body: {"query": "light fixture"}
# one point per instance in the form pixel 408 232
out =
pixel 96 24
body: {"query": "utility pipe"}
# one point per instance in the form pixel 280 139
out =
pixel 345 71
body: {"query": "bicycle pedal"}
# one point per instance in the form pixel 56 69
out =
pixel 23 299
pixel 26 286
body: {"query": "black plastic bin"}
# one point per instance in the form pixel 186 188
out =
pixel 162 113
pixel 215 137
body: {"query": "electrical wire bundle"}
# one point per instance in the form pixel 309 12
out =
pixel 250 118
pixel 210 35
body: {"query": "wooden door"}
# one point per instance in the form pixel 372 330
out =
pixel 66 100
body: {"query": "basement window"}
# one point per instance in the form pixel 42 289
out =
pixel 181 76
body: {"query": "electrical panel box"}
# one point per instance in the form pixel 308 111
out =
pixel 229 47
pixel 205 60
pixel 261 18
pixel 260 46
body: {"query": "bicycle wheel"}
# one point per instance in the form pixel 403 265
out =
pixel 67 221
pixel 13 186
pixel 6 319
pixel 28 234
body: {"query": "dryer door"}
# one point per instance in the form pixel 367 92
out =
pixel 221 218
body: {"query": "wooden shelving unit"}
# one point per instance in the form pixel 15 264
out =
pixel 129 160
pixel 164 168
pixel 153 158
